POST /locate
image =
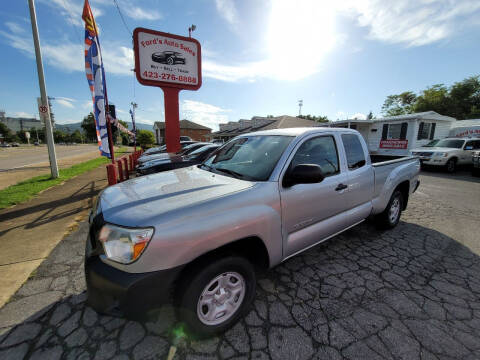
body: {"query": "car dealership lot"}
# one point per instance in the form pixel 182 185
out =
pixel 412 292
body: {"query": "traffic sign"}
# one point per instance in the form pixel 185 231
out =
pixel 43 109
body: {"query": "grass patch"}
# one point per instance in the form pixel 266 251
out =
pixel 25 190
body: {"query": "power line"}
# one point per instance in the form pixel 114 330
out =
pixel 121 16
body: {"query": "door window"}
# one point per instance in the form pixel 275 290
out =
pixel 354 151
pixel 320 151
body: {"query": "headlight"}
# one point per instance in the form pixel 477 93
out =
pixel 124 245
pixel 441 154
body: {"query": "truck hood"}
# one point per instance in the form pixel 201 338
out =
pixel 434 149
pixel 138 202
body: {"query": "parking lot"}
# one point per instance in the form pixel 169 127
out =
pixel 409 293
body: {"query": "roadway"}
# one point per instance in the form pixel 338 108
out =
pixel 17 157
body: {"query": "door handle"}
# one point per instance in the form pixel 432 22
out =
pixel 341 187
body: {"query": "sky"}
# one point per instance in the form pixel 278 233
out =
pixel 342 58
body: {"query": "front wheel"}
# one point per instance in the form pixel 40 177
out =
pixel 390 217
pixel 213 297
pixel 451 166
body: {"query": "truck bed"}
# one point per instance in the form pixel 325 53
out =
pixel 379 160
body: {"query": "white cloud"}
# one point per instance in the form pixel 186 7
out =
pixel 66 102
pixel 138 13
pixel 68 56
pixel 412 22
pixel 23 114
pixel 308 24
pixel 14 27
pixel 203 113
pixel 358 116
pixel 71 10
pixel 340 115
pixel 87 104
pixel 227 10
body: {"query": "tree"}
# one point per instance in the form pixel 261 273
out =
pixel 6 133
pixel 370 116
pixel 145 137
pixel 76 137
pixel 116 133
pixel 465 98
pixel 434 98
pixel 399 104
pixel 314 118
pixel 60 136
pixel 88 126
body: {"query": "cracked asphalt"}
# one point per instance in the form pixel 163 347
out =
pixel 408 293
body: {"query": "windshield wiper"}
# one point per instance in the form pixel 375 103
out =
pixel 231 172
pixel 207 167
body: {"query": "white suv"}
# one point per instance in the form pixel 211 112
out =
pixel 449 153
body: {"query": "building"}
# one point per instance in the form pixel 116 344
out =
pixel 187 128
pixel 465 128
pixel 234 128
pixel 397 135
pixel 20 124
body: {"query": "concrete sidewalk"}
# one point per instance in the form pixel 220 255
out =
pixel 29 231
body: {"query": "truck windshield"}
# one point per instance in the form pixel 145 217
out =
pixel 456 144
pixel 248 158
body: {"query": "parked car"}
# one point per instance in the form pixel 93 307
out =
pixel 200 232
pixel 431 143
pixel 449 153
pixel 163 149
pixel 476 163
pixel 36 143
pixel 187 149
pixel 185 138
pixel 4 145
pixel 168 57
pixel 176 162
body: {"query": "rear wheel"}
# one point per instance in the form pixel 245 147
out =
pixel 451 165
pixel 214 295
pixel 170 61
pixel 475 171
pixel 390 217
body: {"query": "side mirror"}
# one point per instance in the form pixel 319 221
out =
pixel 303 174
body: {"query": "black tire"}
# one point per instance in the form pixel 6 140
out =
pixel 475 171
pixel 170 61
pixel 451 166
pixel 194 283
pixel 386 220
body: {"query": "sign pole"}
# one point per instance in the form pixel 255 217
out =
pixel 172 119
pixel 43 93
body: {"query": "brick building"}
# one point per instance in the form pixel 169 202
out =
pixel 187 128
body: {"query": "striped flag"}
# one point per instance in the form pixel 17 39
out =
pixel 96 78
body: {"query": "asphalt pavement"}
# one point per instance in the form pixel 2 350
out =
pixel 408 293
pixel 17 157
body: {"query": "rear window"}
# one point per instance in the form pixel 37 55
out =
pixel 354 151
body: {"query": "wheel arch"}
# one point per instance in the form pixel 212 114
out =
pixel 404 188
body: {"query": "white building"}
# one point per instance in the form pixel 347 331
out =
pixel 397 135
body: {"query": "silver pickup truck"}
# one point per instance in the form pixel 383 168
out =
pixel 195 236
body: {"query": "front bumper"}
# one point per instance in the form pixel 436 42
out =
pixel 132 295
pixel 120 293
pixel 434 161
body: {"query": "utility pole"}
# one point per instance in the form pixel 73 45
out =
pixel 300 104
pixel 43 93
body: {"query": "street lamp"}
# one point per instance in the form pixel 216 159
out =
pixel 191 29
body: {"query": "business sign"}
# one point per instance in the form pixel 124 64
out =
pixel 393 144
pixel 167 60
pixel 474 131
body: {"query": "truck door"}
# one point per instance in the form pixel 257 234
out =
pixel 312 212
pixel 361 178
pixel 466 155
